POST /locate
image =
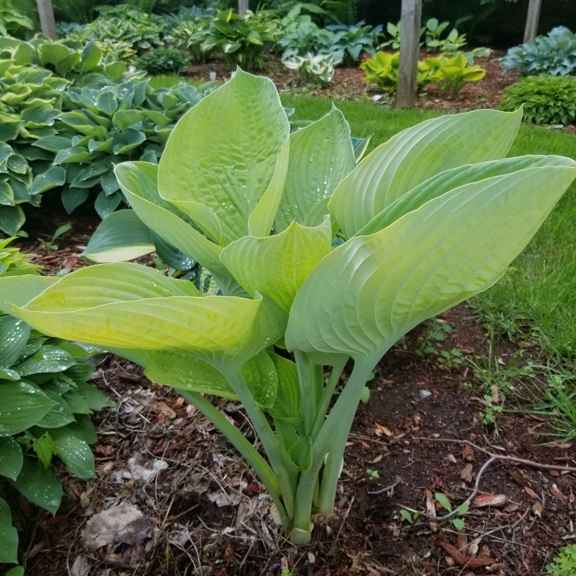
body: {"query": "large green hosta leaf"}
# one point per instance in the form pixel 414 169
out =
pixel 139 182
pixel 321 154
pixel 278 265
pixel 417 154
pixel 131 306
pixel 221 156
pixel 370 291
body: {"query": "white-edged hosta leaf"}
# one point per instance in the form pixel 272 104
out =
pixel 39 485
pixel 19 292
pixel 8 536
pixel 373 289
pixel 139 182
pixel 22 406
pixel 121 237
pixel 13 338
pixel 262 218
pixel 450 179
pixel 416 154
pixel 223 152
pixel 321 154
pixel 278 265
pixel 11 458
pixel 74 452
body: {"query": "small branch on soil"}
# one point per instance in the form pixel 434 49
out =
pixel 382 490
pixel 492 459
pixel 501 456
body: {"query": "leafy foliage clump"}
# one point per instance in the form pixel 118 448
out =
pixel 546 99
pixel 449 72
pixel 316 70
pixel 68 114
pixel 163 61
pixel 565 563
pixel 430 218
pixel 553 54
pixel 46 400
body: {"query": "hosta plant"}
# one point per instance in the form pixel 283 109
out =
pixel 313 69
pixel 384 70
pixel 428 219
pixel 451 73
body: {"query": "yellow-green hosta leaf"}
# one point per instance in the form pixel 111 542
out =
pixel 278 265
pixel 373 289
pixel 287 405
pixel 139 182
pixel 321 154
pixel 416 154
pixel 223 152
pixel 187 372
pixel 20 290
pixel 450 179
pixel 95 286
pixel 262 218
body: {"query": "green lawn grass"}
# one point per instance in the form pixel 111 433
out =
pixel 538 293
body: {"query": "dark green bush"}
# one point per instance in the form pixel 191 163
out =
pixel 546 99
pixel 163 61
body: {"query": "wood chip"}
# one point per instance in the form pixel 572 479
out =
pixel 452 458
pixel 463 560
pixel 467 473
pixel 558 495
pixel 531 492
pixel 489 500
pixel 166 410
pixel 538 509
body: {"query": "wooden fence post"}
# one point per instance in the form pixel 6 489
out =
pixel 242 7
pixel 409 51
pixel 531 30
pixel 46 15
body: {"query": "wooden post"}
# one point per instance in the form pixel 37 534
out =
pixel 409 51
pixel 531 30
pixel 242 7
pixel 47 22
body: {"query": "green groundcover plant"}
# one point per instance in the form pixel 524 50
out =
pixel 319 259
pixel 44 410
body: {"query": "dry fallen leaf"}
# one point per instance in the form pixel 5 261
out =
pixel 531 492
pixel 380 430
pixel 166 410
pixel 490 500
pixel 468 453
pixel 452 458
pixel 467 473
pixel 538 509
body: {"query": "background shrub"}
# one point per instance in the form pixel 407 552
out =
pixel 546 99
pixel 554 53
pixel 163 61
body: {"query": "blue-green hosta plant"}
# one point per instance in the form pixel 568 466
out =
pixel 428 219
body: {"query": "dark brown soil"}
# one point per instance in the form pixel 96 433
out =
pixel 205 513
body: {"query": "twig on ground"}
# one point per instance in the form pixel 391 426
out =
pixel 382 490
pixel 342 524
pixel 530 463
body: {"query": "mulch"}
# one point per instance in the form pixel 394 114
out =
pixel 200 510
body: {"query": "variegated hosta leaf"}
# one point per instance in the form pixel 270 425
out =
pixel 321 154
pixel 181 370
pixel 373 289
pixel 278 265
pixel 139 182
pixel 222 154
pixel 450 179
pixel 416 154
pixel 128 306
